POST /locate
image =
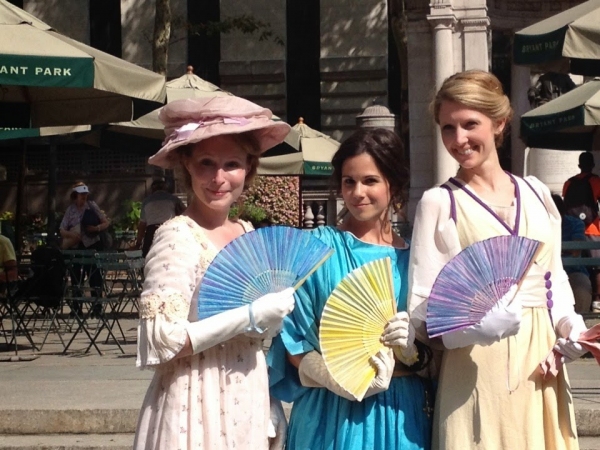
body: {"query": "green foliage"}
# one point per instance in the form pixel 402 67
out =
pixel 251 213
pixel 245 23
pixel 278 197
pixel 130 219
pixel 7 215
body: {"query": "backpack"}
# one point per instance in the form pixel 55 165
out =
pixel 579 199
pixel 46 286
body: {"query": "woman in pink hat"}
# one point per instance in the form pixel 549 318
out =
pixel 210 388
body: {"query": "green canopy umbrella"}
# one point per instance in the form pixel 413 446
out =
pixel 309 152
pixel 566 42
pixel 48 79
pixel 569 122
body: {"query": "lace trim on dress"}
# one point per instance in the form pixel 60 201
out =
pixel 172 306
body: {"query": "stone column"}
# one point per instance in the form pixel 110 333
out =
pixel 520 82
pixel 475 43
pixel 442 21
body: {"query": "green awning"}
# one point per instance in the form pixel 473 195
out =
pixel 44 71
pixel 568 122
pixel 21 133
pixel 317 168
pixel 568 41
pixel 49 79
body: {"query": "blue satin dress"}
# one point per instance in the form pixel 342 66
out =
pixel 399 418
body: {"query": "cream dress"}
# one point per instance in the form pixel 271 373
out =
pixel 217 399
pixel 494 397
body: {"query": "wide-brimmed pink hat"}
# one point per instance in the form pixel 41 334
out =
pixel 192 120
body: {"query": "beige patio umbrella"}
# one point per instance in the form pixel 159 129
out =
pixel 48 79
pixel 310 154
pixel 186 86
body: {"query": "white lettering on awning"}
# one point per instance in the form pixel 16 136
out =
pixel 53 71
pixel 13 70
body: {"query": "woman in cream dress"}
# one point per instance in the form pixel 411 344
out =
pixel 491 394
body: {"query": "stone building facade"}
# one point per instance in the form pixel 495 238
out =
pixel 327 60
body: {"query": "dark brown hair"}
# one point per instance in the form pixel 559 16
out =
pixel 386 149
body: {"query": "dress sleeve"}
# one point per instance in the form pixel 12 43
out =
pixel 434 242
pixel 562 294
pixel 170 280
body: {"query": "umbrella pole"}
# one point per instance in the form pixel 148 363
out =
pixel 50 239
pixel 20 200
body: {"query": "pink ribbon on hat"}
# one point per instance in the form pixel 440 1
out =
pixel 185 131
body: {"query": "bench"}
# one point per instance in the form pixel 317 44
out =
pixel 582 261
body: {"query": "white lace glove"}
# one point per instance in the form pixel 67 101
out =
pixel 277 426
pixel 570 328
pixel 384 363
pixel 503 320
pixel 399 334
pixel 267 311
pixel 313 373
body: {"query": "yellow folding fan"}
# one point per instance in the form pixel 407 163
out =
pixel 352 323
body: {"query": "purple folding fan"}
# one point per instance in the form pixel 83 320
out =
pixel 473 281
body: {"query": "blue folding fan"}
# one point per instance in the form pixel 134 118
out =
pixel 472 282
pixel 257 263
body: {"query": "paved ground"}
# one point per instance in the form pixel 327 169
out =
pixel 96 395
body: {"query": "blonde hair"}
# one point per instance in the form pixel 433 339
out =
pixel 246 142
pixel 479 90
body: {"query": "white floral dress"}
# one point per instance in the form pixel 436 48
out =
pixel 217 399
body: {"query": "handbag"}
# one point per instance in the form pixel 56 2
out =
pixel 90 219
pixel 71 242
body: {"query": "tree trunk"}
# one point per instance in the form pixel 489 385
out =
pixel 162 35
pixel 398 21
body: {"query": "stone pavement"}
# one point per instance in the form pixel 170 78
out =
pixel 87 401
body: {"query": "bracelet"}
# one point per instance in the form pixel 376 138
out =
pixel 253 326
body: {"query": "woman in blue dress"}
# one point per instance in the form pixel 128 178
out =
pixel 396 412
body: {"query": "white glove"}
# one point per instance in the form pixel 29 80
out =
pixel 266 311
pixel 384 363
pixel 570 328
pixel 314 373
pixel 503 320
pixel 277 429
pixel 399 331
pixel 570 350
pixel 400 335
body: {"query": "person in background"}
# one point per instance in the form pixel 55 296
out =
pixel 371 176
pixel 581 194
pixel 78 235
pixel 157 208
pixel 573 229
pixel 8 262
pixel 491 392
pixel 210 385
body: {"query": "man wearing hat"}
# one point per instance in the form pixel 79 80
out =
pixel 157 208
pixel 581 194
